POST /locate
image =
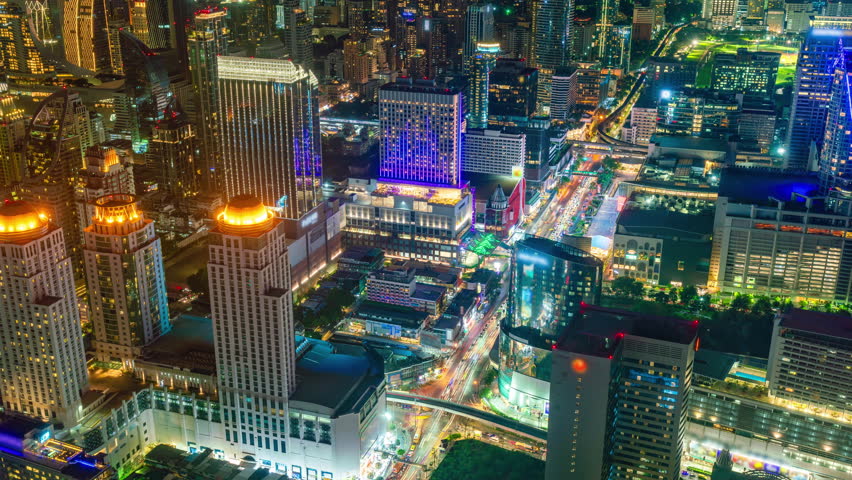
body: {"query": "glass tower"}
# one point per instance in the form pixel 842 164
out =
pixel 835 166
pixel 478 28
pixel 483 63
pixel 551 41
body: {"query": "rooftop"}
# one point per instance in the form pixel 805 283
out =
pixel 189 344
pixel 691 143
pixel 408 84
pixel 340 382
pixel 484 184
pixel 599 330
pixel 406 317
pixel 821 323
pixel 748 185
pixel 427 292
pixel 558 250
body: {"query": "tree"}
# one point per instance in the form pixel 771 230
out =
pixel 623 286
pixel 741 302
pixel 637 290
pixel 688 294
pixel 762 306
pixel 661 297
pixel 198 281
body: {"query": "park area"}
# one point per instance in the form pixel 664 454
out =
pixel 475 460
pixel 700 46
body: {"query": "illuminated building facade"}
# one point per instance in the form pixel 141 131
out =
pixel 19 57
pixel 619 394
pixel 746 72
pixel 421 132
pixel 478 28
pixel 297 33
pixel 13 132
pixel 550 42
pixel 407 221
pixel 512 93
pixel 615 47
pixel 483 62
pixel 563 96
pixel 697 113
pixel 550 281
pixel 812 94
pixel 835 168
pixel 208 40
pixel 150 23
pixel 39 319
pixel 668 73
pixel 106 173
pixel 85 34
pixel 174 148
pixel 125 278
pixel 269 133
pixel 494 152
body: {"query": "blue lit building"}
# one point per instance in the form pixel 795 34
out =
pixel 422 125
pixel 834 166
pixel 550 282
pixel 812 93
pixel 483 63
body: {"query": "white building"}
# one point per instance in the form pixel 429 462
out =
pixel 798 16
pixel 42 362
pixel 105 173
pixel 123 259
pixel 643 118
pixel 494 152
pixel 563 96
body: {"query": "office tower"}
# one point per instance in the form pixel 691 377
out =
pixel 643 23
pixel 84 34
pixel 13 132
pixel 619 392
pixel 756 124
pixel 42 364
pixel 297 34
pixel 745 72
pixel 255 355
pixel 550 281
pixel 604 23
pixel 174 149
pixel 208 40
pixel 668 73
pixel 615 48
pixel 478 28
pixel 357 15
pixel 834 173
pixel 149 22
pixel 430 59
pixel 126 280
pixel 775 20
pixel 19 56
pixel 358 62
pixel 563 97
pixel 550 42
pixel 698 113
pixel 810 358
pixel 643 117
pixel 147 89
pixel 582 39
pixel 798 16
pixel 105 173
pixel 494 152
pixel 721 13
pixel 58 133
pixel 483 63
pixel 589 86
pixel 513 90
pixel 268 133
pixel 421 132
pixel 811 94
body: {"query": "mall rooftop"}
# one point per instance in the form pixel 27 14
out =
pixel 819 323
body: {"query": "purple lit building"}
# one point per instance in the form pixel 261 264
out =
pixel 421 126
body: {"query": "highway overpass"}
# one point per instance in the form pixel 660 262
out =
pixel 466 411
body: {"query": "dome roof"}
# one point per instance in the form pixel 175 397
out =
pixel 20 221
pixel 244 214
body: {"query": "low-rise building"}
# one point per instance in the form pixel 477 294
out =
pixel 391 321
pixel 396 284
pixel 165 461
pixel 361 259
pixel 500 202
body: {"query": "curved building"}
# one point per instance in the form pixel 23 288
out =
pixel 550 281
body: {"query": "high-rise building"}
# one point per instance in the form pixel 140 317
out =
pixel 42 364
pixel 174 150
pixel 698 113
pixel 421 132
pixel 513 89
pixel 835 170
pixel 757 123
pixel 563 96
pixel 550 282
pixel 607 11
pixel 208 40
pixel 644 18
pixel 249 271
pixel 13 132
pixel 643 117
pixel 721 13
pixel 668 73
pixel 85 34
pixel 126 280
pixel 550 42
pixel 812 94
pixel 494 152
pixel 619 392
pixel 810 358
pixel 745 72
pixel 615 47
pixel 297 26
pixel 105 173
pixel 20 59
pixel 149 20
pixel 798 16
pixel 483 63
pixel 478 28
pixel 269 132
pixel 358 62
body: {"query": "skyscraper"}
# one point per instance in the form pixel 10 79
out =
pixel 698 113
pixel 812 93
pixel 421 132
pixel 125 278
pixel 478 28
pixel 149 21
pixel 19 57
pixel 564 93
pixel 551 41
pixel 297 33
pixel 249 271
pixel 512 93
pixel 174 150
pixel 483 63
pixel 835 170
pixel 85 35
pixel 105 173
pixel 43 364
pixel 746 72
pixel 269 132
pixel 614 42
pixel 619 394
pixel 208 40
pixel 13 131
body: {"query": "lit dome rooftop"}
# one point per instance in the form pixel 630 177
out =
pixel 20 221
pixel 244 214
